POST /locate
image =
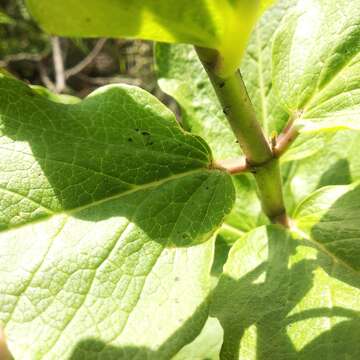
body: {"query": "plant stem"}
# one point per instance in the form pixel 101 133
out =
pixel 233 166
pixel 241 115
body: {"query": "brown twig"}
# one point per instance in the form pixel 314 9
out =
pixel 100 81
pixel 233 166
pixel 87 60
pixel 60 81
pixel 45 77
pixel 23 57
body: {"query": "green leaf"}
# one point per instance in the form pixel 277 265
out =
pixel 106 206
pixel 246 214
pixel 215 24
pixel 206 346
pixel 182 76
pixel 60 98
pixel 337 163
pixel 256 68
pixel 331 217
pixel 316 64
pixel 281 298
pixel 5 19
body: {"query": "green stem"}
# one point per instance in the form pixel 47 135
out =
pixel 241 115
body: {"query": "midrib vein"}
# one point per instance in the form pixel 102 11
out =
pixel 320 247
pixel 233 229
pixel 309 104
pixel 110 198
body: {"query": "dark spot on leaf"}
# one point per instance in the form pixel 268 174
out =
pixel 130 139
pixel 222 84
pixel 30 93
pixel 145 133
pixel 88 20
pixel 186 236
pixel 176 278
pixel 226 110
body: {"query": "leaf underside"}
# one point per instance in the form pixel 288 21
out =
pixel 214 24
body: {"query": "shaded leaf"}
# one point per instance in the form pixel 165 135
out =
pixel 60 98
pixel 281 298
pixel 336 163
pixel 331 217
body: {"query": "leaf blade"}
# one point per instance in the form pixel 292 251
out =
pixel 127 227
pixel 282 298
pixel 330 217
pixel 322 62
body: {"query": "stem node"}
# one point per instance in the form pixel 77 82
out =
pixel 261 160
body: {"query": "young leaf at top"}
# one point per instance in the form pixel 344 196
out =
pixel 215 24
pixel 106 209
pixel 317 64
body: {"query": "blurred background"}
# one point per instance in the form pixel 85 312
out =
pixel 71 66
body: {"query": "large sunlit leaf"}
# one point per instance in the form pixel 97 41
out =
pixel 281 298
pixel 317 64
pixel 106 206
pixel 215 24
pixel 331 217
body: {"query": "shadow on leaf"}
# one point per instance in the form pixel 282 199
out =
pixel 267 312
pixel 258 304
